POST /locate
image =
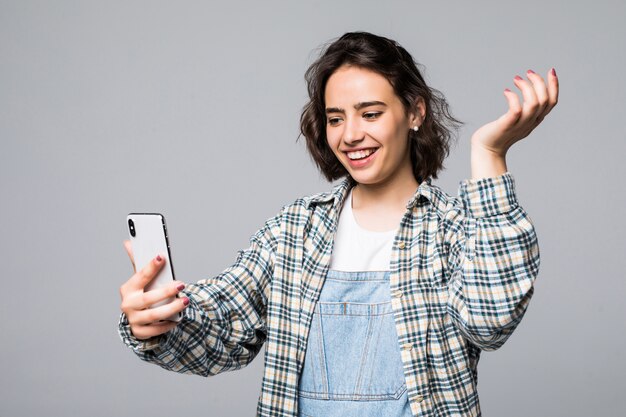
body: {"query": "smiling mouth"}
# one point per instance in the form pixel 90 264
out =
pixel 362 154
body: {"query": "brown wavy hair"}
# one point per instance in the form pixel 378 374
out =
pixel 429 146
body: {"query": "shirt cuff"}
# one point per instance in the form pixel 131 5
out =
pixel 138 345
pixel 485 197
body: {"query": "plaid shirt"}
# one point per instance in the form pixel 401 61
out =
pixel 462 274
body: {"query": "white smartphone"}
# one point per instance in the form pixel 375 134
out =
pixel 148 236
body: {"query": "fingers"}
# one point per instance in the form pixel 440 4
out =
pixel 553 88
pixel 538 97
pixel 154 315
pixel 140 300
pixel 143 332
pixel 547 95
pixel 530 107
pixel 146 274
pixel 129 251
pixel 515 109
pixel 541 90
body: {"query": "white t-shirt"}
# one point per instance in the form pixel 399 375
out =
pixel 358 249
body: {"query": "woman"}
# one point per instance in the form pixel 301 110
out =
pixel 377 297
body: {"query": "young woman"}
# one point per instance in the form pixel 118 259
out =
pixel 377 297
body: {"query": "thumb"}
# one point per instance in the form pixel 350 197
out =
pixel 129 251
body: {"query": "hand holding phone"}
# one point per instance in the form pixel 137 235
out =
pixel 149 297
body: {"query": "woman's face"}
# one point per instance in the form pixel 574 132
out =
pixel 367 127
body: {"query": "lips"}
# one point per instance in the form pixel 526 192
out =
pixel 360 153
pixel 358 163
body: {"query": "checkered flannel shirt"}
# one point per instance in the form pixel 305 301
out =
pixel 462 274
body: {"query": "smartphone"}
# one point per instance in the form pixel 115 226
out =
pixel 148 236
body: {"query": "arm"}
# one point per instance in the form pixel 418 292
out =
pixel 494 260
pixel 224 326
pixel 494 255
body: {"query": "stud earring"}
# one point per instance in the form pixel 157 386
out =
pixel 416 128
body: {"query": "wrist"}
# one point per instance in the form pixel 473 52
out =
pixel 487 163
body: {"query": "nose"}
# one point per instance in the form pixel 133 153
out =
pixel 353 131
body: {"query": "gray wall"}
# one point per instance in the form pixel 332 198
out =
pixel 192 108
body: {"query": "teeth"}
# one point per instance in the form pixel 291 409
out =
pixel 360 154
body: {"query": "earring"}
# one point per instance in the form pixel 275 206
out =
pixel 416 128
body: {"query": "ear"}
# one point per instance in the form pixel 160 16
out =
pixel 417 115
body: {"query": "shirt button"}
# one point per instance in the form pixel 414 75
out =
pixel 407 346
pixel 398 294
pixel 401 245
pixel 419 398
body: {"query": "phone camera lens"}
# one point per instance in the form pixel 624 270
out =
pixel 131 227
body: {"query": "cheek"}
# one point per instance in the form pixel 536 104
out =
pixel 332 139
pixel 397 146
pixel 389 134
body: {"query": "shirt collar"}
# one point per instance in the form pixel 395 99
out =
pixel 336 195
pixel 425 191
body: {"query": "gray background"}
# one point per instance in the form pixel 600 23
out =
pixel 192 109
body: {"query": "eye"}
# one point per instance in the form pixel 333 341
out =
pixel 372 115
pixel 334 121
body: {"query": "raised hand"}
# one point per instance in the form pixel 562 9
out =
pixel 539 99
pixel 491 142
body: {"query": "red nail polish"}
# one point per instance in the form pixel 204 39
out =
pixel 181 287
pixel 186 301
pixel 517 77
pixel 506 89
pixel 530 71
pixel 553 72
pixel 158 258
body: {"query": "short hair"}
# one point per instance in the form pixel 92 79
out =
pixel 428 147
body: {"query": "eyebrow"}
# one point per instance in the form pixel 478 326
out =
pixel 357 106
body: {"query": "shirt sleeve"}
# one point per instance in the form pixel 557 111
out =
pixel 494 259
pixel 224 326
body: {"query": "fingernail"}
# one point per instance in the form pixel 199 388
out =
pixel 530 71
pixel 553 72
pixel 517 77
pixel 186 301
pixel 158 258
pixel 181 287
pixel 506 89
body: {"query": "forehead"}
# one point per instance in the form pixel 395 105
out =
pixel 356 84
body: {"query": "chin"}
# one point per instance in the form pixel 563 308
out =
pixel 364 179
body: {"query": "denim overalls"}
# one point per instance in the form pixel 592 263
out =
pixel 352 364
